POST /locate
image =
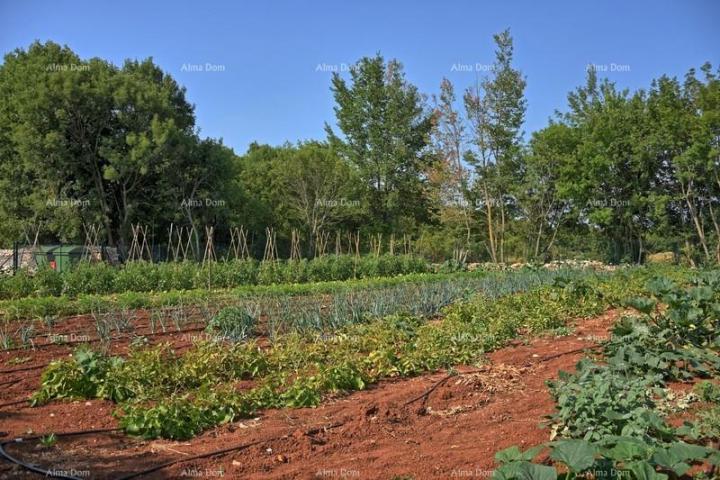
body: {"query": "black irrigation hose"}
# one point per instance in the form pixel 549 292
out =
pixel 42 471
pixel 52 474
pixel 150 470
pixel 10 404
pixel 218 452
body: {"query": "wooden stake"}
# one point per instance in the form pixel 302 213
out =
pixel 270 254
pixel 295 245
pixel 209 253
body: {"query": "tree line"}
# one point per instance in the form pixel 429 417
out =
pixel 615 175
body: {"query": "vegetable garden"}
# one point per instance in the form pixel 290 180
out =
pixel 176 366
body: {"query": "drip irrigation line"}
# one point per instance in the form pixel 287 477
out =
pixel 194 457
pixel 222 451
pixel 147 471
pixel 17 402
pixel 427 392
pixel 42 471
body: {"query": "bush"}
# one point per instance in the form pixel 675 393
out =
pixel 19 285
pixel 89 278
pixel 48 283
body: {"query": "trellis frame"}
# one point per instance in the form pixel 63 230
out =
pixel 139 246
pixel 238 243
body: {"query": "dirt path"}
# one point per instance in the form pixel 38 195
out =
pixel 388 431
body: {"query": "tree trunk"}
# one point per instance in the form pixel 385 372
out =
pixel 491 230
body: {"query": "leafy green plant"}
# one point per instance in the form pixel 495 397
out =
pixel 48 440
pixel 607 410
pixel 234 323
pixel 610 457
pixel 80 377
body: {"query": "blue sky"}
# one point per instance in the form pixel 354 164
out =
pixel 268 87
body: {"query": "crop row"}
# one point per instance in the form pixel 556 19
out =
pixel 41 307
pixel 302 308
pixel 101 278
pixel 325 314
pixel 162 394
pixel 611 417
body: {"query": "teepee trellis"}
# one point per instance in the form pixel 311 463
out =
pixel 321 243
pixel 139 247
pixel 353 241
pixel 36 237
pixel 170 243
pixel 180 243
pixel 187 243
pixel 92 236
pixel 238 243
pixel 295 245
pixel 407 245
pixel 338 243
pixel 376 244
pixel 33 245
pixel 270 254
pixel 209 253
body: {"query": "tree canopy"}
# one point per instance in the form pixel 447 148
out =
pixel 615 175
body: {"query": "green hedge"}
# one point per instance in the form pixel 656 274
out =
pixel 161 277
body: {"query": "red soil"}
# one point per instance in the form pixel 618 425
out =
pixel 431 426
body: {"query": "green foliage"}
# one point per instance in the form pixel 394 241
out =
pixel 617 176
pixel 597 402
pixel 80 377
pixel 233 323
pixel 708 391
pixel 161 393
pixel 182 417
pixel 48 440
pixel 101 278
pixel 608 411
pixel 611 457
pixel 96 143
pixel 385 131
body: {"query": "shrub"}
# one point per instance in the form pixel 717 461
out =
pixel 19 285
pixel 89 278
pixel 48 283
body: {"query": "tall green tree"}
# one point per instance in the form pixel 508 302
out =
pixel 307 187
pixel 539 196
pixel 496 111
pixel 452 232
pixel 321 191
pixel 385 135
pixel 84 132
